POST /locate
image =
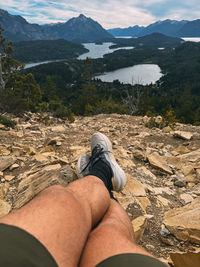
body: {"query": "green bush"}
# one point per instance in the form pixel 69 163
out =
pixel 7 122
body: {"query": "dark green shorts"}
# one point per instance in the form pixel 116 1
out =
pixel 131 260
pixel 20 249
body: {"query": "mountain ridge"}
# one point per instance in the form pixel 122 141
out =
pixel 183 28
pixel 78 29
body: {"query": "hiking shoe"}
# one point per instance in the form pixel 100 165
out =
pixel 102 153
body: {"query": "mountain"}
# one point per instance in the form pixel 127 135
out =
pixel 190 29
pixel 76 29
pixel 168 27
pixel 18 29
pixel 130 31
pixel 80 28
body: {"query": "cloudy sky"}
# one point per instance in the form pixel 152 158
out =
pixel 109 13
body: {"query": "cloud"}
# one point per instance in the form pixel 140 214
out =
pixel 109 13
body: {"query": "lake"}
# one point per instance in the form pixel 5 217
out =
pixel 138 74
pixel 98 51
pixel 191 39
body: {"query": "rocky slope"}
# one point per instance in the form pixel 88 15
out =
pixel 162 196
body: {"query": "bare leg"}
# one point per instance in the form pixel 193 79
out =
pixel 114 235
pixel 61 218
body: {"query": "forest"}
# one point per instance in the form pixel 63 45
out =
pixel 68 87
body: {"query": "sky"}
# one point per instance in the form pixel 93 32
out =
pixel 109 13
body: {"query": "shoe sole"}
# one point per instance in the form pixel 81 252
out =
pixel 119 176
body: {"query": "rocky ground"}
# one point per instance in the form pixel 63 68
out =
pixel 162 196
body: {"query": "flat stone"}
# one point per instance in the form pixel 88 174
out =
pixel 183 135
pixel 34 183
pixel 198 173
pixel 139 225
pixel 184 222
pixel 187 169
pixel 186 198
pixel 144 202
pixel 167 129
pixel 181 150
pixel 193 156
pixel 146 173
pixel 4 208
pixel 140 155
pixel 9 177
pixel 161 190
pixel 191 178
pixel 4 151
pixel 6 162
pixel 159 162
pixel 40 158
pixel 14 166
pixel 134 187
pixel 185 259
pixel 59 129
pixel 163 201
pixel 127 163
pixel 47 149
pixel 17 151
pixel 4 189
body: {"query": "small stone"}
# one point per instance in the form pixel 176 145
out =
pixel 6 162
pixel 164 201
pixel 159 162
pixel 167 129
pixel 4 208
pixel 182 150
pixel 14 166
pixel 47 149
pixel 4 151
pixel 187 259
pixel 140 155
pixel 178 181
pixel 9 177
pixel 186 198
pixel 134 187
pixel 59 129
pixel 198 173
pixel 4 189
pixel 139 225
pixel 40 158
pixel 115 142
pixel 183 135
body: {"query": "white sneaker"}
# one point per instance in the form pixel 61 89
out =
pixel 102 147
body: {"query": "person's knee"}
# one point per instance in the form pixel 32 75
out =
pixel 65 201
pixel 115 227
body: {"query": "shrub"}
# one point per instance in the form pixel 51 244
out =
pixel 7 122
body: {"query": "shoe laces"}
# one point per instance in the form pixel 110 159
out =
pixel 96 155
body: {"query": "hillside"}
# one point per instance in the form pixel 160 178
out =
pixel 18 29
pixel 41 50
pixel 80 29
pixel 155 40
pixel 162 166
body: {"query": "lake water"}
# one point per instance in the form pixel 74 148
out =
pixel 192 39
pixel 98 51
pixel 138 74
